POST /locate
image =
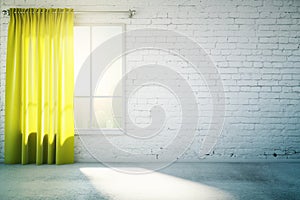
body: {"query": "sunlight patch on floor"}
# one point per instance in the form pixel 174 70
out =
pixel 122 186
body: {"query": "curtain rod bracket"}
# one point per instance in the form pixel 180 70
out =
pixel 131 13
pixel 5 12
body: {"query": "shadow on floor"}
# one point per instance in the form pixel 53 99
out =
pixel 177 181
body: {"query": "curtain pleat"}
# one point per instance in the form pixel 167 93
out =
pixel 39 122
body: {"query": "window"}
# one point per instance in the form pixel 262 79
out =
pixel 95 97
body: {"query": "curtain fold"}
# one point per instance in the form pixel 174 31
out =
pixel 39 122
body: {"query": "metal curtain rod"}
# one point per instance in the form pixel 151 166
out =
pixel 130 12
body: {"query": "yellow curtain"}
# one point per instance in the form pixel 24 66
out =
pixel 39 122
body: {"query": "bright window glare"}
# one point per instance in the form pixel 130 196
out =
pixel 122 186
pixel 81 53
pixel 108 83
pixel 94 109
pixel 104 113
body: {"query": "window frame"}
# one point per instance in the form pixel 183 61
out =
pixel 123 99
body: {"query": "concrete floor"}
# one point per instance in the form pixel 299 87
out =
pixel 182 181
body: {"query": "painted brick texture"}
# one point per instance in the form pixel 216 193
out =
pixel 255 46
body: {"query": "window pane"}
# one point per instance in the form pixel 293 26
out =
pixel 110 83
pixel 104 71
pixel 107 112
pixel 106 67
pixel 101 34
pixel 82 112
pixel 81 64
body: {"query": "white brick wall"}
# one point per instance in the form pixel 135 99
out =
pixel 254 43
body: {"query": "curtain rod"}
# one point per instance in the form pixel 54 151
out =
pixel 130 12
